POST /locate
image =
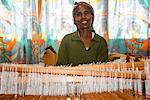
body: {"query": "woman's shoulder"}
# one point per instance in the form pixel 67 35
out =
pixel 70 35
pixel 100 38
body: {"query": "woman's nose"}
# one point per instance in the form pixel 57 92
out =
pixel 83 16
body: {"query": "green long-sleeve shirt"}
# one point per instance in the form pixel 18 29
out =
pixel 72 50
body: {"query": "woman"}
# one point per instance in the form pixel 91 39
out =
pixel 83 46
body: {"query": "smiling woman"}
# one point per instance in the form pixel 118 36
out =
pixel 83 46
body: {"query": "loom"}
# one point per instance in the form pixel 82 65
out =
pixel 105 81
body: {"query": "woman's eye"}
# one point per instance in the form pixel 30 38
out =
pixel 78 14
pixel 87 13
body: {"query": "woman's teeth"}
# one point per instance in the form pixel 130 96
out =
pixel 84 22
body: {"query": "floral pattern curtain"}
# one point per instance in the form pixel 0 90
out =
pixel 27 27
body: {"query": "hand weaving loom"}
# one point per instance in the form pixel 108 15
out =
pixel 96 81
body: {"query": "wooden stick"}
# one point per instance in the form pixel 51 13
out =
pixel 80 70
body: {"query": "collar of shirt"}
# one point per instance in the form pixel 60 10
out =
pixel 93 34
pixel 76 36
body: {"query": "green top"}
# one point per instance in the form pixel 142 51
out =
pixel 72 50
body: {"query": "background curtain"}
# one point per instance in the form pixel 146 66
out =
pixel 27 27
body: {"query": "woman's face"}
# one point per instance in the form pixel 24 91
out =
pixel 83 17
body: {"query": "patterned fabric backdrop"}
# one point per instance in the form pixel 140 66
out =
pixel 27 27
